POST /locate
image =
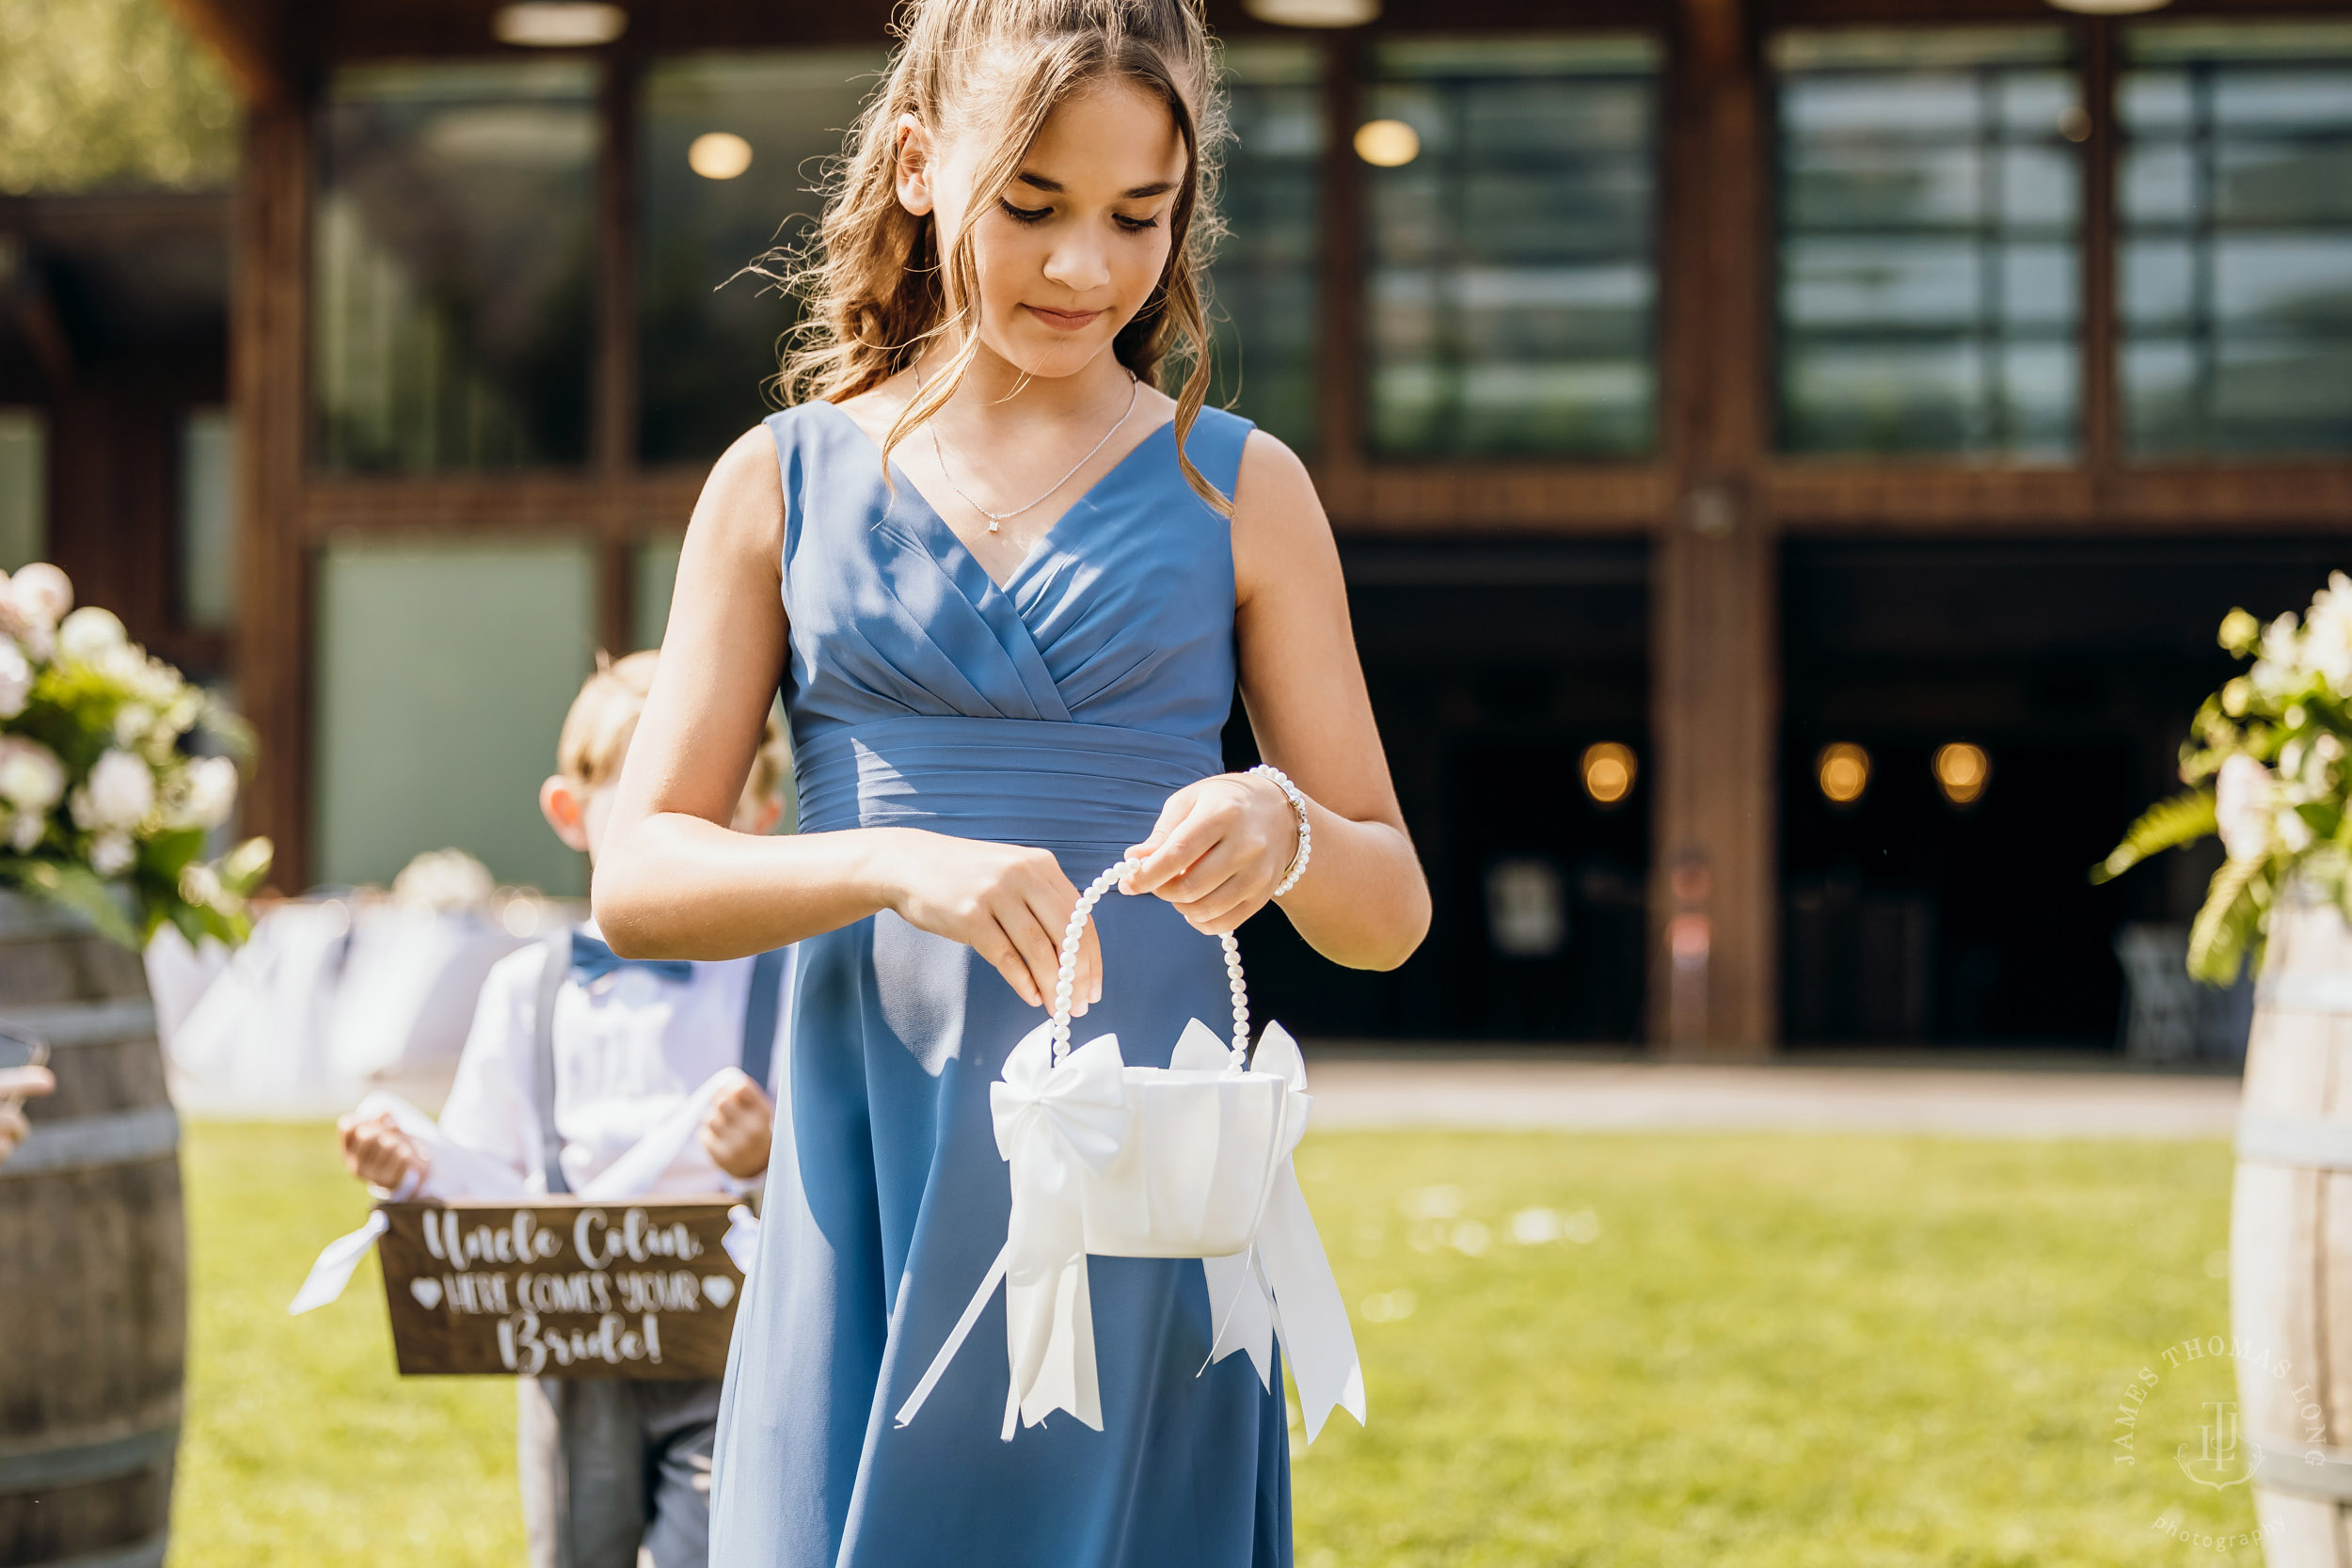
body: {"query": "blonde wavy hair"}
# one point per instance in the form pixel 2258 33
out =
pixel 602 720
pixel 874 288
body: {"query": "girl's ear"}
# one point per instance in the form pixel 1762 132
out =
pixel 913 178
pixel 566 811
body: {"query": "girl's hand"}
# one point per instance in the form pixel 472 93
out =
pixel 379 1152
pixel 737 1133
pixel 1007 903
pixel 1218 850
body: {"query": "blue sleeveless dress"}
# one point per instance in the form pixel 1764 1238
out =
pixel 1060 711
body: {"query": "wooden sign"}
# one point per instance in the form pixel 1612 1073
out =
pixel 561 1288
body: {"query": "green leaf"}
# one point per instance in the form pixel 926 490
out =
pixel 2228 930
pixel 167 854
pixel 2166 825
pixel 77 888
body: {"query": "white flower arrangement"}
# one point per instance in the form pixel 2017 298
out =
pixel 101 806
pixel 2266 763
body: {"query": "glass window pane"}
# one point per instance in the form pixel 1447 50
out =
pixel 451 266
pixel 24 487
pixel 731 151
pixel 208 520
pixel 1514 285
pixel 444 674
pixel 1929 272
pixel 1263 286
pixel 2235 207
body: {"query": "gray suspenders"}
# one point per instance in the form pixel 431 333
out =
pixel 759 1047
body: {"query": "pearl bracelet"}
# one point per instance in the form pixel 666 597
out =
pixel 1297 866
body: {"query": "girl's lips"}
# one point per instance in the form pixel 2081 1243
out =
pixel 1062 321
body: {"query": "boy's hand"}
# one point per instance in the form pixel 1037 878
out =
pixel 378 1151
pixel 741 1125
pixel 16 1086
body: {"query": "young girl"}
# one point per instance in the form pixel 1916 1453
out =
pixel 1008 587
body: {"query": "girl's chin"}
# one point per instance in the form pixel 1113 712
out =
pixel 1051 356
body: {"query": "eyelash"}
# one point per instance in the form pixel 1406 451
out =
pixel 1039 215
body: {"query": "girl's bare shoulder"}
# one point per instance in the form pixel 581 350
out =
pixel 741 505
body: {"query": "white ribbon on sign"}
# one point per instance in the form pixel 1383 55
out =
pixel 1051 1123
pixel 333 1270
pixel 461 1173
pixel 1282 1287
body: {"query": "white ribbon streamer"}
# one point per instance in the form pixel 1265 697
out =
pixel 1283 1287
pixel 458 1173
pixel 1051 1123
pixel 336 1264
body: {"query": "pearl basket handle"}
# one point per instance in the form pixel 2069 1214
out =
pixel 1065 981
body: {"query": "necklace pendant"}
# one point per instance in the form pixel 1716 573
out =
pixel 992 525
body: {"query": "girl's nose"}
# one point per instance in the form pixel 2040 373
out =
pixel 1078 264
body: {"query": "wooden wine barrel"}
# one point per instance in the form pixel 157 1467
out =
pixel 93 1260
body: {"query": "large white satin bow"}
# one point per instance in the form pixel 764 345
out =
pixel 1283 1286
pixel 1051 1121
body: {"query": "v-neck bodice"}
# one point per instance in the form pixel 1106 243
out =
pixel 1120 623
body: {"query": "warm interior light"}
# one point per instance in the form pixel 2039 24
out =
pixel 544 25
pixel 719 156
pixel 1387 143
pixel 1960 771
pixel 2109 7
pixel 1609 769
pixel 1844 771
pixel 1313 14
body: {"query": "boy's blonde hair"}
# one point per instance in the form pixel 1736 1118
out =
pixel 873 283
pixel 603 720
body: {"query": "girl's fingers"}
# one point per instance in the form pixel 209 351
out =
pixel 1038 948
pixel 998 949
pixel 1191 837
pixel 1212 911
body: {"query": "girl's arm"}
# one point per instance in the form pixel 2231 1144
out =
pixel 1221 845
pixel 672 879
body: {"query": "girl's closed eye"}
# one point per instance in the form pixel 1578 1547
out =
pixel 1137 226
pixel 1024 214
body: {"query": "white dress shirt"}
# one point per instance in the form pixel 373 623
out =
pixel 629 1048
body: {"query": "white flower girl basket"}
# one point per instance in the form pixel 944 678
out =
pixel 1192 1159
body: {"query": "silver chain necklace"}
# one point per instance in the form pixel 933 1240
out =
pixel 939 456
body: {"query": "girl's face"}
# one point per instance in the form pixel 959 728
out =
pixel 1073 247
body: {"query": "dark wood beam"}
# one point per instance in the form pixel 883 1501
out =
pixel 1715 680
pixel 267 375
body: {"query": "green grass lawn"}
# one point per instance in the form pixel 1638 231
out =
pixel 1760 1352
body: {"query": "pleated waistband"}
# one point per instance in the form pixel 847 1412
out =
pixel 1059 787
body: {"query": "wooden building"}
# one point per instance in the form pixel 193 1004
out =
pixel 1790 455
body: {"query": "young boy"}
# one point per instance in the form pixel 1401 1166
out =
pixel 615 1473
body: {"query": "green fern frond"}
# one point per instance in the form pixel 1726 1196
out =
pixel 2166 825
pixel 2229 928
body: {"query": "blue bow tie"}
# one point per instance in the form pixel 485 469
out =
pixel 592 960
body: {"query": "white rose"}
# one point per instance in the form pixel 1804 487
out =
pixel 41 593
pixel 27 831
pixel 212 788
pixel 132 722
pixel 2242 807
pixel 121 790
pixel 89 633
pixel 31 777
pixel 111 854
pixel 15 678
pixel 199 883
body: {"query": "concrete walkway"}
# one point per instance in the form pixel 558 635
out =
pixel 2051 1097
